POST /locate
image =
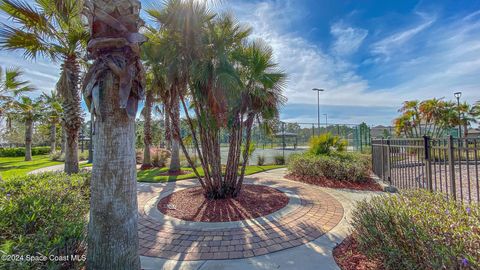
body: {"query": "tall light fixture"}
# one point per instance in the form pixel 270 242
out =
pixel 458 95
pixel 318 105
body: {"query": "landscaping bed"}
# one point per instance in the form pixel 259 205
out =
pixel 252 202
pixel 368 184
pixel 349 256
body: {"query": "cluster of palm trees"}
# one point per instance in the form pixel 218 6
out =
pixel 205 63
pixel 435 117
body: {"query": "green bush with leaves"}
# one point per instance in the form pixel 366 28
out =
pixel 419 230
pixel 260 160
pixel 43 214
pixel 279 160
pixel 20 151
pixel 326 143
pixel 341 166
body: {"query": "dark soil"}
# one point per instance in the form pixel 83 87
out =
pixel 348 256
pixel 368 184
pixel 252 202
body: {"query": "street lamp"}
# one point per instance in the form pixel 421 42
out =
pixel 326 119
pixel 458 95
pixel 318 105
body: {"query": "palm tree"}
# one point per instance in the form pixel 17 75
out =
pixel 11 86
pixel 112 88
pixel 54 30
pixel 53 112
pixel 27 111
pixel 226 85
pixel 261 97
pixel 468 116
pixel 153 58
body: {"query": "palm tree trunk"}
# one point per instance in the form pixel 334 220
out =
pixel 53 137
pixel 28 139
pixel 168 128
pixel 175 156
pixel 147 131
pixel 112 232
pixel 63 143
pixel 113 227
pixel 249 124
pixel 68 86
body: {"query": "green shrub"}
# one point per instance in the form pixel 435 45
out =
pixel 339 166
pixel 20 151
pixel 260 160
pixel 326 143
pixel 279 160
pixel 57 156
pixel 419 230
pixel 43 214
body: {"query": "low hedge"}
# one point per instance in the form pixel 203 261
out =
pixel 43 215
pixel 20 151
pixel 342 166
pixel 419 230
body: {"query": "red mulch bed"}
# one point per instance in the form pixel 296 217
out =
pixel 252 202
pixel 348 257
pixel 368 184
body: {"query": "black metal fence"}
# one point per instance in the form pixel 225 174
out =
pixel 446 165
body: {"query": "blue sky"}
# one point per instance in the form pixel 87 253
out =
pixel 370 56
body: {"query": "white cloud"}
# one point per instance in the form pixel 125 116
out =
pixel 391 44
pixel 347 39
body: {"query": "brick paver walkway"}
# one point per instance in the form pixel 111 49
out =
pixel 318 213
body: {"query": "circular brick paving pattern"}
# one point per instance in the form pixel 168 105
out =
pixel 318 212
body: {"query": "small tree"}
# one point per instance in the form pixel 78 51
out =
pixel 27 111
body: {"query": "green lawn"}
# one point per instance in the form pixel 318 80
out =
pixel 10 166
pixel 153 175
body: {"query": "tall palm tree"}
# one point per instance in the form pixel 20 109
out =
pixel 261 97
pixel 153 59
pixel 27 111
pixel 53 114
pixel 112 88
pixel 54 30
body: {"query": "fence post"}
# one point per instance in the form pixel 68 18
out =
pixel 451 167
pixel 382 159
pixel 428 163
pixel 389 170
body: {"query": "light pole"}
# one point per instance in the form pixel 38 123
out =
pixel 326 119
pixel 318 106
pixel 458 95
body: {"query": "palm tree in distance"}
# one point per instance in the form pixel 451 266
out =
pixel 53 114
pixel 11 86
pixel 52 29
pixel 112 88
pixel 27 111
